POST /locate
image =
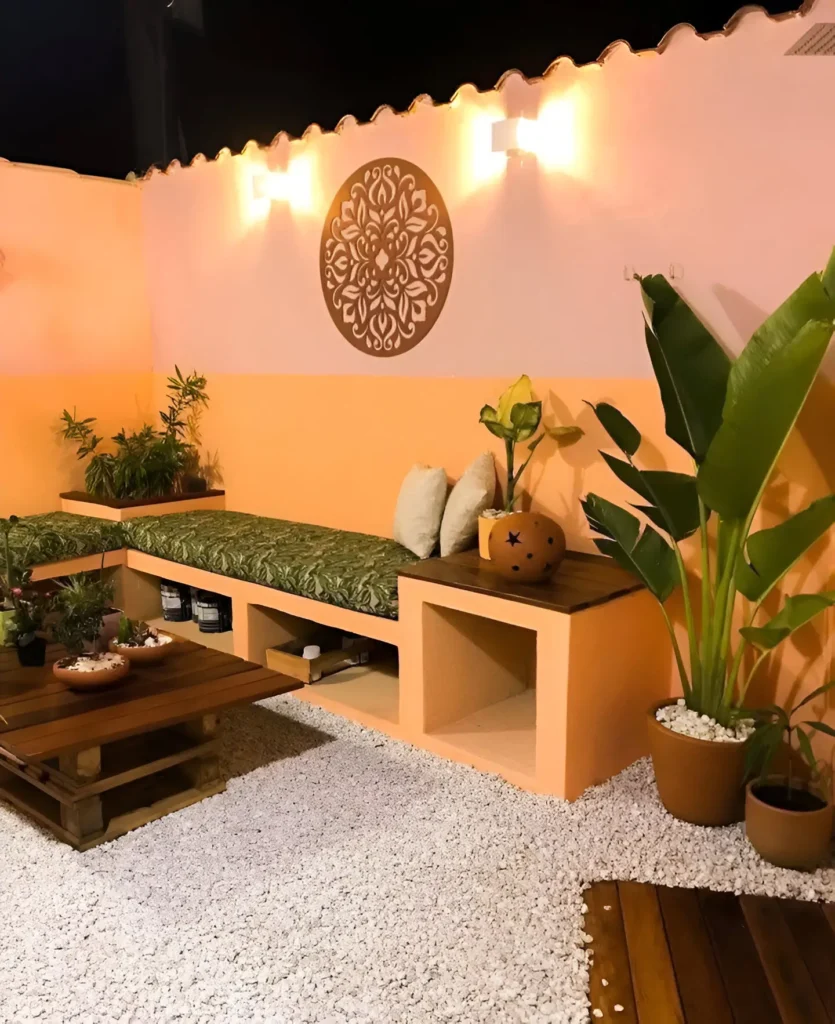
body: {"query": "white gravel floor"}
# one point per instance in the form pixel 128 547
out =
pixel 342 877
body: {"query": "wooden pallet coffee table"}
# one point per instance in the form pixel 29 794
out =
pixel 92 766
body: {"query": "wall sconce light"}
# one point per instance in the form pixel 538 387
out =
pixel 293 186
pixel 551 137
pixel 514 136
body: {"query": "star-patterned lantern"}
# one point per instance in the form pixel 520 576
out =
pixel 526 546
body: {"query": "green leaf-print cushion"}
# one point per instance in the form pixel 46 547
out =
pixel 54 536
pixel 349 570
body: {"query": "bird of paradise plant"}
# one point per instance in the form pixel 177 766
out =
pixel 733 418
pixel 516 419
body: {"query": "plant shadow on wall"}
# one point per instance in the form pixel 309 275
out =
pixel 733 418
pixel 147 463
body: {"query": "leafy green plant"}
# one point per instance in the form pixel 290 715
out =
pixel 147 463
pixel 774 728
pixel 31 606
pixel 82 603
pixel 515 420
pixel 733 419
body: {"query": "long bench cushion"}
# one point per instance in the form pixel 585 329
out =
pixel 55 536
pixel 350 570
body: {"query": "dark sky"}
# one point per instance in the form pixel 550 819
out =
pixel 259 67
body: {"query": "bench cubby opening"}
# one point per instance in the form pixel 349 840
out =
pixel 480 687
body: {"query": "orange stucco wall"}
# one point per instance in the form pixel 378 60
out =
pixel 668 164
pixel 74 323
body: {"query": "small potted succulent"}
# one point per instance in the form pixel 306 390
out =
pixel 788 816
pixel 82 603
pixel 139 643
pixel 516 418
pixel 732 417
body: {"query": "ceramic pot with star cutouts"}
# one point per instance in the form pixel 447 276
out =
pixel 526 546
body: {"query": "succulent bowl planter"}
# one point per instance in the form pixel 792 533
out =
pixel 699 780
pixel 121 509
pixel 789 826
pixel 154 649
pixel 91 671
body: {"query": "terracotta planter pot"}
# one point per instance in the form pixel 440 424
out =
pixel 142 655
pixel 91 680
pixel 698 780
pixel 788 838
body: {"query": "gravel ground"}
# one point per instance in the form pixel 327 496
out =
pixel 343 878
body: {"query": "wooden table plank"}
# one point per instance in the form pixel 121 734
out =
pixel 653 977
pixel 700 985
pixel 113 724
pixel 746 985
pixel 816 942
pixel 611 959
pixel 792 985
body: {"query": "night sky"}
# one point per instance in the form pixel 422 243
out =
pixel 259 67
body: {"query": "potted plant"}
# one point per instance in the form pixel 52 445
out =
pixel 25 625
pixel 788 818
pixel 137 642
pixel 732 417
pixel 149 466
pixel 82 603
pixel 516 419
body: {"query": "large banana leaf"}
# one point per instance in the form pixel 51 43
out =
pixel 624 433
pixel 674 499
pixel 771 553
pixel 690 365
pixel 767 388
pixel 796 612
pixel 642 552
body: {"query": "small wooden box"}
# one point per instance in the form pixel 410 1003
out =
pixel 287 658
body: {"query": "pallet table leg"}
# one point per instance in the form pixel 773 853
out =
pixel 82 818
pixel 204 771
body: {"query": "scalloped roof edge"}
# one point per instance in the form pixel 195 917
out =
pixel 424 99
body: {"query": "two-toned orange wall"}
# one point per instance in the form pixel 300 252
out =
pixel 707 160
pixel 74 323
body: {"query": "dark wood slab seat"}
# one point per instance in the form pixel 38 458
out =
pixel 582 580
pixel 91 766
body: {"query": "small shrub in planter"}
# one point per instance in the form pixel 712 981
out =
pixel 147 463
pixel 82 603
pixel 732 418
pixel 788 818
pixel 26 628
pixel 516 418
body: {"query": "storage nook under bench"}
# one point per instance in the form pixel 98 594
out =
pixel 545 684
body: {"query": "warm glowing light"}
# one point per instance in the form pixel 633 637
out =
pixel 486 164
pixel 293 186
pixel 551 138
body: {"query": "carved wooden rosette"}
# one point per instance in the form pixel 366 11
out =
pixel 386 257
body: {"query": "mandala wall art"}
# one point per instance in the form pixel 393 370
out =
pixel 386 257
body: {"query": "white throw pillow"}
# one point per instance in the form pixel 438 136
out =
pixel 473 493
pixel 420 505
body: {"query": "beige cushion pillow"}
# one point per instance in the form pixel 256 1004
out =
pixel 420 505
pixel 473 493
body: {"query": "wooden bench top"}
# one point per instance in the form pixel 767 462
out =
pixel 582 580
pixel 45 719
